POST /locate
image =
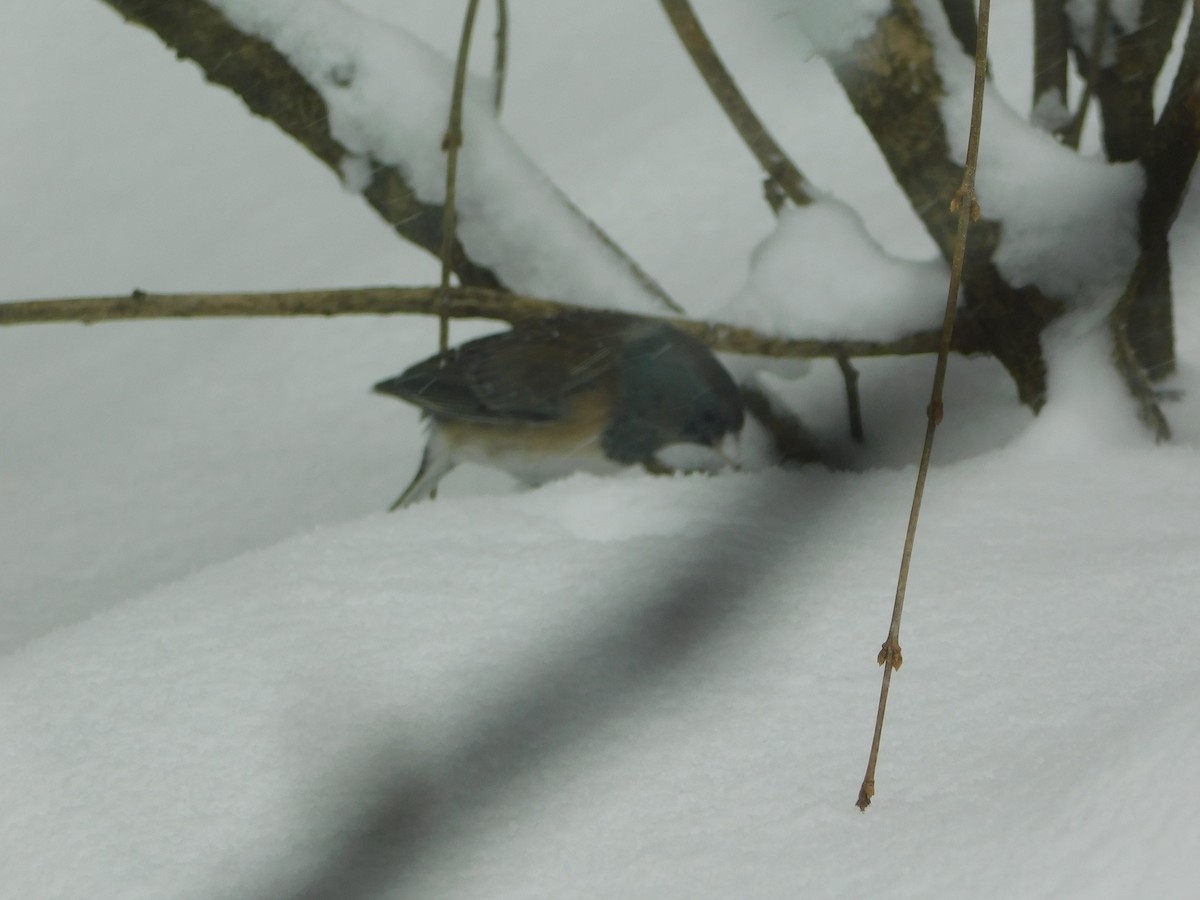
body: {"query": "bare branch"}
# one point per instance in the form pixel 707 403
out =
pixel 967 210
pixel 782 174
pixel 463 303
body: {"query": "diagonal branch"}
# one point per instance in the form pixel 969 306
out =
pixel 782 174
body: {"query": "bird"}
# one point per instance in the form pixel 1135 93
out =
pixel 577 391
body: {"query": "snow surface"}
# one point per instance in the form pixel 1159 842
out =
pixel 226 673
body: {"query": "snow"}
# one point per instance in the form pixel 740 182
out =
pixel 822 275
pixel 1052 202
pixel 221 662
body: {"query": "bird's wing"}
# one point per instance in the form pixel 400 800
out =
pixel 524 375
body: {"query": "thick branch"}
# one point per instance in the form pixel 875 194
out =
pixel 1125 87
pixel 892 80
pixel 463 303
pixel 781 172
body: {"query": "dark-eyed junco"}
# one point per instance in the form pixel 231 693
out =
pixel 583 391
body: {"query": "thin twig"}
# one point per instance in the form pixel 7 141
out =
pixel 1073 131
pixel 460 303
pixel 967 208
pixel 781 171
pixel 853 404
pixel 451 144
pixel 500 67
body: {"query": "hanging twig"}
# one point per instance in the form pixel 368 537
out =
pixel 500 68
pixel 1073 131
pixel 853 404
pixel 451 144
pixel 967 208
pixel 782 173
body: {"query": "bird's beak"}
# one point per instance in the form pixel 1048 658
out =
pixel 730 450
pixel 387 386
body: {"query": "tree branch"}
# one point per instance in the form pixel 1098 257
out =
pixel 782 174
pixel 463 303
pixel 967 210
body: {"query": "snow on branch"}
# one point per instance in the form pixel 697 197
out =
pixel 370 101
